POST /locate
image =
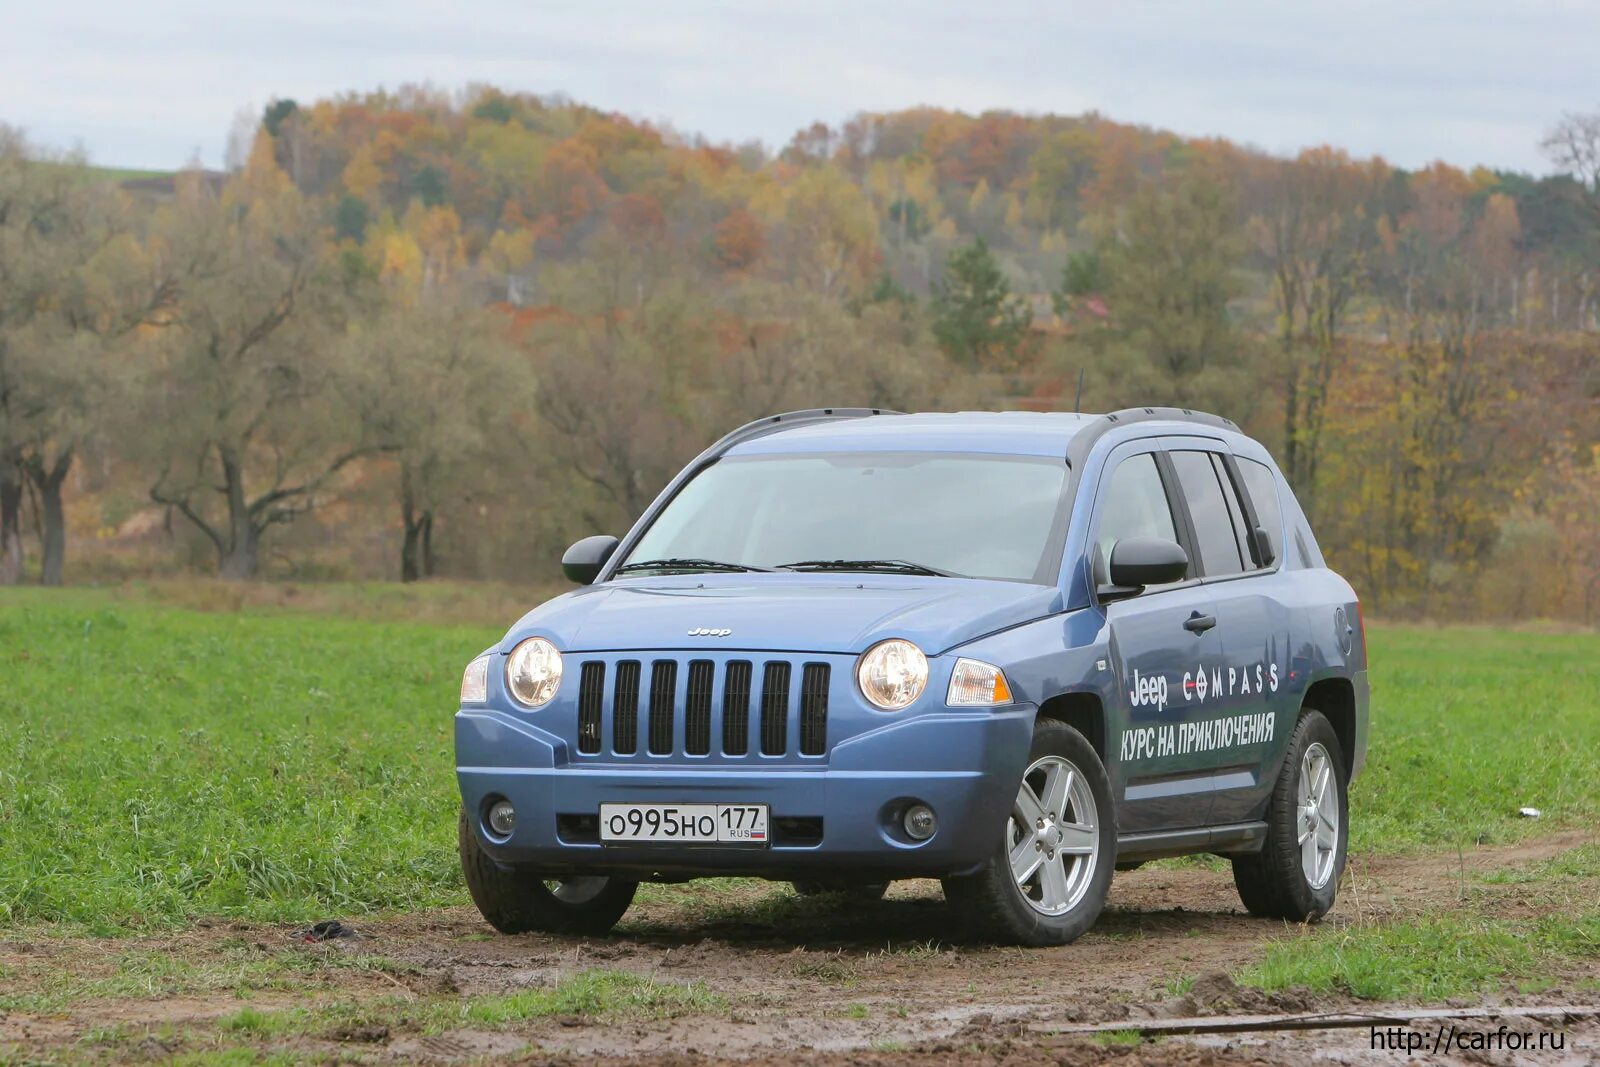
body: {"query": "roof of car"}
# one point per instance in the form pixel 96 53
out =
pixel 1041 433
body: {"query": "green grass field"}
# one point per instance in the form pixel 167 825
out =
pixel 159 763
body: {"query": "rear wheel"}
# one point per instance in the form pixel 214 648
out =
pixel 1051 869
pixel 518 900
pixel 1295 876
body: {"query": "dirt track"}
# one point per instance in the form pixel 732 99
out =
pixel 863 983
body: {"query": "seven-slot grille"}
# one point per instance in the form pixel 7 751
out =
pixel 650 690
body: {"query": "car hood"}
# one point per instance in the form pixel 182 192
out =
pixel 842 613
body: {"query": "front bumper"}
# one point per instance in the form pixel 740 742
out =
pixel 835 818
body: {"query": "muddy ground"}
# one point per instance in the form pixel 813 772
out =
pixel 794 980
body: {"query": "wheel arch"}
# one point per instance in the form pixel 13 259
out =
pixel 1084 712
pixel 1335 698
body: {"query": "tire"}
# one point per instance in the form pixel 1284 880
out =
pixel 1062 894
pixel 863 892
pixel 1287 879
pixel 517 900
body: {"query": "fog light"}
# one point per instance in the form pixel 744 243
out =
pixel 920 822
pixel 502 818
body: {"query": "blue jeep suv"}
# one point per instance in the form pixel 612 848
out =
pixel 1011 651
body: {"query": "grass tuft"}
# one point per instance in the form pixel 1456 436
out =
pixel 1179 986
pixel 252 1021
pixel 1428 959
pixel 588 993
pixel 1117 1038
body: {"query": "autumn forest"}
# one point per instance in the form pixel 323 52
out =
pixel 427 333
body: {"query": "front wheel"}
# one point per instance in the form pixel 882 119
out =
pixel 1051 868
pixel 516 900
pixel 1295 876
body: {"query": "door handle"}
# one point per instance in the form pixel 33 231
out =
pixel 1199 624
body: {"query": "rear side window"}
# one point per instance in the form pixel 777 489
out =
pixel 1134 505
pixel 1207 495
pixel 1263 490
pixel 1236 515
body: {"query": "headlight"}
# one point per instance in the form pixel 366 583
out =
pixel 475 681
pixel 977 684
pixel 533 672
pixel 892 674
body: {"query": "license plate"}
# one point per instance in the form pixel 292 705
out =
pixel 688 824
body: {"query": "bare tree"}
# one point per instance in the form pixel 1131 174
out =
pixel 1432 275
pixel 1314 234
pixel 613 412
pixel 242 410
pixel 434 380
pixel 70 291
pixel 1574 145
pixel 20 295
pixel 11 556
pixel 1170 259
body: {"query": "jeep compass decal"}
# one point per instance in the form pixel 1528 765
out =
pixel 1151 690
pixel 1206 735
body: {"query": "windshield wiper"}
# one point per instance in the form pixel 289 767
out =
pixel 690 564
pixel 896 566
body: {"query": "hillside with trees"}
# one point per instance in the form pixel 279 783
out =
pixel 420 333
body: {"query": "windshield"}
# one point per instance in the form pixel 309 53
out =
pixel 971 515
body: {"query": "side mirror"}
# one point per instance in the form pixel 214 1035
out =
pixel 1140 561
pixel 1264 547
pixel 582 562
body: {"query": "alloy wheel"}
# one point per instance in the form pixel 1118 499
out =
pixel 1053 836
pixel 1317 816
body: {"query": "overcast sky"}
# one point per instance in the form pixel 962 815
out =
pixel 151 84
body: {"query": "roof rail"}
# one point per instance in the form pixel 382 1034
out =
pixel 789 419
pixel 1171 414
pixel 1080 444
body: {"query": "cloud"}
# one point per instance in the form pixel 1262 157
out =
pixel 1468 81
